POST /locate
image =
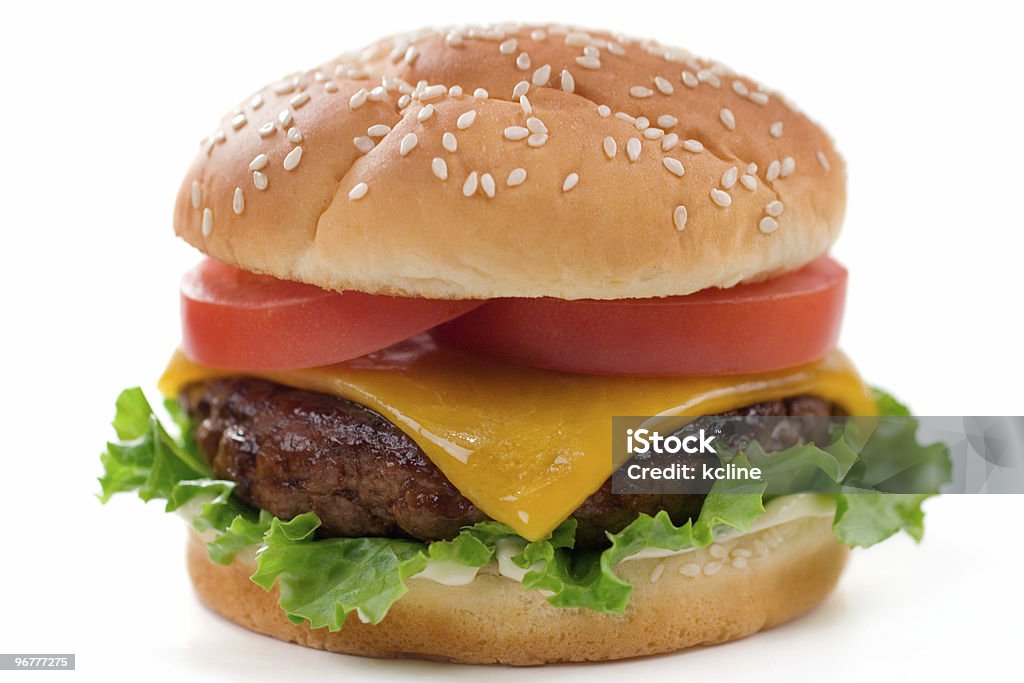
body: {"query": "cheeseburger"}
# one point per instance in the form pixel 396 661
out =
pixel 435 270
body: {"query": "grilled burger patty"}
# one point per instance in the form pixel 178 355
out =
pixel 292 451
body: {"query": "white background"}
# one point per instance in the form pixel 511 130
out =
pixel 102 107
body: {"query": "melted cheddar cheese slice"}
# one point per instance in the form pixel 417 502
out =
pixel 528 446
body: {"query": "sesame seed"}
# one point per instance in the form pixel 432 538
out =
pixel 238 121
pixel 773 171
pixel 469 187
pixel 292 159
pixel 378 94
pixel 258 162
pixel 759 97
pixel 407 144
pixel 623 116
pixel 589 62
pixel 768 225
pixel 299 100
pixel 538 34
pixel 524 516
pixel 378 130
pixel 689 80
pixel 238 201
pixel 466 119
pixel 823 160
pixel 694 146
pixel 330 86
pixel 404 101
pixel 642 123
pixel 508 47
pixel 542 75
pixel 577 39
pixel 604 111
pixel 411 54
pixel 570 182
pixel 481 94
pixel 776 129
pixel 728 120
pixel 679 217
pixel 432 92
pixel 517 133
pixel 359 191
pixel 283 88
pixel 740 88
pixel 748 181
pixel 691 570
pixel 363 143
pixel 454 91
pixel 787 168
pixel 654 133
pixel 487 183
pixel 717 551
pixel 425 113
pixel 259 180
pixel 591 51
pixel 284 118
pixel 720 197
pixel 537 139
pixel 522 87
pixel 523 61
pixel 207 222
pixel 658 571
pixel 516 177
pixel 739 562
pixel 256 102
pixel 294 135
pixel 751 168
pixel 440 168
pixel 669 141
pixel 535 125
pixel 568 82
pixel 663 85
pixel 640 91
pixel 615 48
pixel 453 39
pixel 674 166
pixel 449 142
pixel 267 129
pixel 710 77
pixel 729 177
pixel 610 148
pixel 197 194
pixel 667 120
pixel 712 568
pixel 774 208
pixel 524 102
pixel 633 149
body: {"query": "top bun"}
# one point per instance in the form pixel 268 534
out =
pixel 515 161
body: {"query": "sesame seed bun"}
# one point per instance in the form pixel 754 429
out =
pixel 444 182
pixel 704 597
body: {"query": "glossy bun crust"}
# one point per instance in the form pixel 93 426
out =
pixel 515 161
pixel 694 598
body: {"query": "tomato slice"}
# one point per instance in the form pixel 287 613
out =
pixel 780 323
pixel 237 320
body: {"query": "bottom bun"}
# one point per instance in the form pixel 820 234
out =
pixel 702 597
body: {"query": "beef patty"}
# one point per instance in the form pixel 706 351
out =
pixel 292 451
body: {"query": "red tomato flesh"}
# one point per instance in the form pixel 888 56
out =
pixel 237 320
pixel 783 322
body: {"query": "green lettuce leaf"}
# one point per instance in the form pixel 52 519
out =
pixel 322 581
